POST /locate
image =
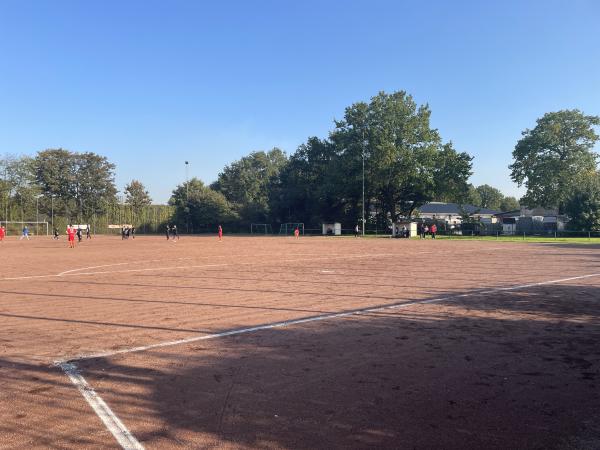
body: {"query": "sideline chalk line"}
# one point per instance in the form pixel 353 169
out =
pixel 402 304
pixel 102 410
pixel 126 439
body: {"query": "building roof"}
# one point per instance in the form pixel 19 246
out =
pixel 513 213
pixel 454 208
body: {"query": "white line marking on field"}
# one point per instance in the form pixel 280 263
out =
pixel 66 272
pixel 128 441
pixel 110 420
pixel 93 267
pixel 103 272
pixel 286 323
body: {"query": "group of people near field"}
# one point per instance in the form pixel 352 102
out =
pixel 172 233
pixel 424 230
pixel 72 232
pixel 127 231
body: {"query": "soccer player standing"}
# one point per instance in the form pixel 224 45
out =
pixel 71 234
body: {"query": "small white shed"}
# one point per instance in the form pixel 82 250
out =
pixel 334 229
pixel 399 227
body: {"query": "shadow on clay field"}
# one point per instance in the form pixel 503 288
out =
pixel 518 369
pixel 40 408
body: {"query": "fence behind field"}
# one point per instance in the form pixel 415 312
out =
pixel 499 234
pixel 149 219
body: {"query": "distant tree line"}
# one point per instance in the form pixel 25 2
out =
pixel 389 140
pixel 69 186
pixel 406 164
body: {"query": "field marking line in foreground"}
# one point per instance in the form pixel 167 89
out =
pixel 103 272
pixel 286 323
pixel 102 410
pixel 128 441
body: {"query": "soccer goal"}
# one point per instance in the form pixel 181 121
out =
pixel 287 229
pixel 261 228
pixel 15 228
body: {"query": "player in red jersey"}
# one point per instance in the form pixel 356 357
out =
pixel 2 233
pixel 297 233
pixel 71 233
pixel 220 233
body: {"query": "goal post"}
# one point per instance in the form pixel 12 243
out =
pixel 15 227
pixel 261 229
pixel 287 229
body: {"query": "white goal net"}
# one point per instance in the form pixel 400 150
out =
pixel 287 229
pixel 261 228
pixel 15 228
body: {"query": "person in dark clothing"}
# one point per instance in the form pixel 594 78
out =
pixel 79 234
pixel 168 232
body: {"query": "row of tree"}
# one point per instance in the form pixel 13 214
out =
pixel 557 164
pixel 58 182
pixel 386 147
pixel 383 151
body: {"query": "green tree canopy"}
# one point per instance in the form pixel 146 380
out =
pixel 309 187
pixel 509 204
pixel 473 197
pixel 405 162
pixel 452 170
pixel 489 196
pixel 551 159
pixel 583 205
pixel 246 183
pixel 80 182
pixel 199 208
pixel 137 196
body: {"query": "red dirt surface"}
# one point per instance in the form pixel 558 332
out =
pixel 512 369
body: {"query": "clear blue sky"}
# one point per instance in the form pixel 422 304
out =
pixel 150 84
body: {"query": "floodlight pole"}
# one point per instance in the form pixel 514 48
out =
pixel 187 180
pixel 37 214
pixel 7 195
pixel 363 182
pixel 187 198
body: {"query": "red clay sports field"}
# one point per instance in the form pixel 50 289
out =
pixel 303 344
